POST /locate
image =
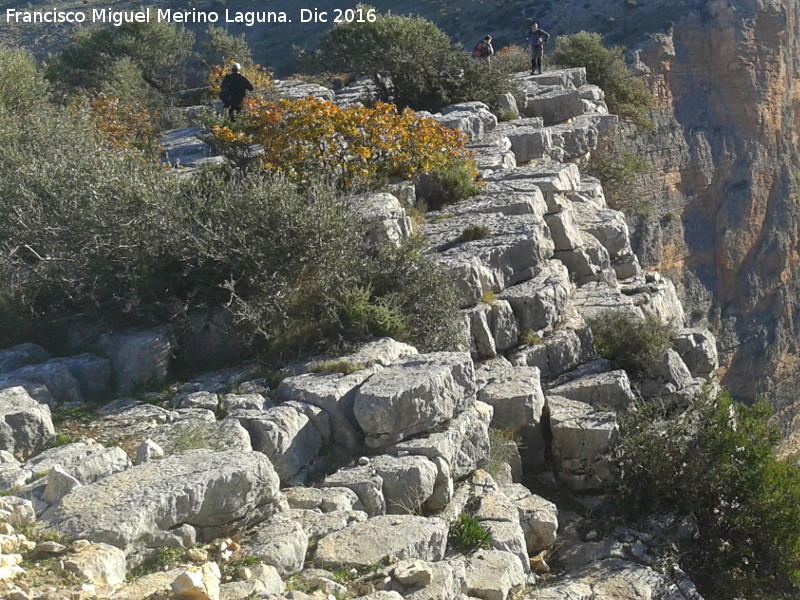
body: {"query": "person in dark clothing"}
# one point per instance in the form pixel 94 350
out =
pixel 536 39
pixel 484 48
pixel 233 89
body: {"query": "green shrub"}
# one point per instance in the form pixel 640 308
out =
pixel 220 47
pixel 467 533
pixel 512 59
pixel 502 451
pixel 626 96
pixel 507 114
pixel 529 338
pixel 716 462
pixel 104 235
pixel 22 84
pixel 336 366
pixel 617 170
pixel 632 344
pixel 365 314
pixel 148 58
pixel 191 437
pixel 472 233
pixel 447 186
pixel 427 71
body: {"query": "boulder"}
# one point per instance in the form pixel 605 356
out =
pixel 138 357
pixel 280 543
pixel 25 425
pixel 92 373
pixel 698 349
pixel 537 517
pixel 463 444
pixel 569 347
pixel 478 319
pixel 492 574
pixel 594 299
pixel 330 499
pixel 56 377
pixel 607 226
pixel 504 203
pixel 184 147
pixel 510 249
pixel 531 356
pixel 59 484
pixel 101 564
pixel 413 395
pixel 619 579
pixel 20 355
pixel 205 400
pixel 292 435
pixel 17 512
pixel 473 118
pixel 86 461
pixel 517 398
pixel 198 583
pixel 505 329
pixel 334 393
pixel 317 524
pixel 294 89
pixel 554 106
pixel 365 483
pixel 539 302
pixel 610 391
pixel 386 218
pixel 408 482
pixel 490 159
pixel 671 369
pixel 576 139
pixel 529 139
pixel 563 228
pixel 213 492
pixel 367 543
pixel 582 438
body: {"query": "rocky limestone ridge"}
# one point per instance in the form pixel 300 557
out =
pixel 724 183
pixel 333 483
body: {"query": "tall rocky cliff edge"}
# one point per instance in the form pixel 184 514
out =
pixel 725 184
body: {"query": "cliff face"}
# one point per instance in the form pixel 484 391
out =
pixel 725 182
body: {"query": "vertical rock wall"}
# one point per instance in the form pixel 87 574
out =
pixel 727 94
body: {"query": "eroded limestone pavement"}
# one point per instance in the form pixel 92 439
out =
pixel 231 492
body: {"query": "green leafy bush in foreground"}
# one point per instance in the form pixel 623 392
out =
pixel 716 462
pixel 86 231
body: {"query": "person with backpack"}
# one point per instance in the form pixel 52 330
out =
pixel 536 39
pixel 233 89
pixel 483 49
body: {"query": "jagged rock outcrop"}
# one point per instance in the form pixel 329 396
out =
pixel 199 493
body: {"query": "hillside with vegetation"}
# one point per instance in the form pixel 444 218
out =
pixel 388 340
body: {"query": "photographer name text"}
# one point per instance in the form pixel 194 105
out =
pixel 168 15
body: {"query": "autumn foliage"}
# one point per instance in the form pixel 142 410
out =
pixel 123 125
pixel 354 143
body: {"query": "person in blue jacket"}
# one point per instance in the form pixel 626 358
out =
pixel 536 39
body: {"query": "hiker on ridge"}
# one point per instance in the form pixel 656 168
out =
pixel 484 49
pixel 233 89
pixel 536 39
